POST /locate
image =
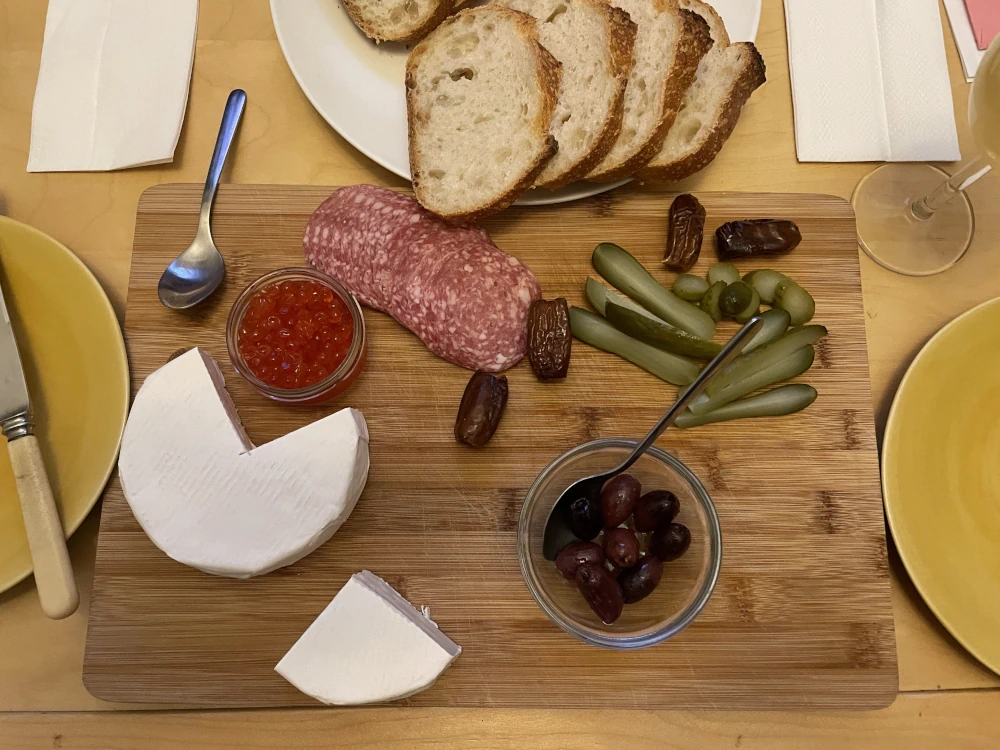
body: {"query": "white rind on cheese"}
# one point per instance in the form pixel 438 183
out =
pixel 209 499
pixel 368 646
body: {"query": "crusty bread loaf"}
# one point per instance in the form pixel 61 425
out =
pixel 480 93
pixel 669 44
pixel 593 41
pixel 397 20
pixel 727 76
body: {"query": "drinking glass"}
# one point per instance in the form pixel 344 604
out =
pixel 917 220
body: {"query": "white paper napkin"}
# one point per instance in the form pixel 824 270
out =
pixel 965 39
pixel 113 83
pixel 870 81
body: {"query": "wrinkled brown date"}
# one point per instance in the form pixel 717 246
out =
pixel 684 233
pixel 618 497
pixel 742 239
pixel 639 581
pixel 655 509
pixel 670 542
pixel 601 591
pixel 622 547
pixel 482 406
pixel 577 554
pixel 549 338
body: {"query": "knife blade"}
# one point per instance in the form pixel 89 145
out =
pixel 54 579
pixel 14 404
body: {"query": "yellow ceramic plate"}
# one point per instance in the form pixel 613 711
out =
pixel 77 373
pixel 941 478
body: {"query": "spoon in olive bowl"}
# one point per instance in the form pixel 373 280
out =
pixel 198 271
pixel 557 528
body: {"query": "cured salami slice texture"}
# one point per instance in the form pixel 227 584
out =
pixel 469 304
pixel 458 292
pixel 346 233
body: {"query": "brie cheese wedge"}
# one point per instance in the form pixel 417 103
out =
pixel 369 645
pixel 209 499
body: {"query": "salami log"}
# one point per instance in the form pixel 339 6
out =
pixel 466 299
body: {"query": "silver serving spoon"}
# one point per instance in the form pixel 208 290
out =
pixel 198 271
pixel 557 528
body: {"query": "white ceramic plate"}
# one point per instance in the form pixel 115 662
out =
pixel 357 86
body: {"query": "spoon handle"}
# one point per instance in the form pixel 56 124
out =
pixel 729 352
pixel 227 130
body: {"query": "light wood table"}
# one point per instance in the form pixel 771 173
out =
pixel 947 699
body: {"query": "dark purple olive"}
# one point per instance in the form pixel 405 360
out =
pixel 655 509
pixel 601 591
pixel 639 581
pixel 670 542
pixel 618 497
pixel 585 518
pixel 577 554
pixel 621 547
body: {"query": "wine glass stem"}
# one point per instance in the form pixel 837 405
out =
pixel 925 207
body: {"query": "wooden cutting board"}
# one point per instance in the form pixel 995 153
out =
pixel 801 615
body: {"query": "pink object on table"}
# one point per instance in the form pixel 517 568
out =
pixel 985 18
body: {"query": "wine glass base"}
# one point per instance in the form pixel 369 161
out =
pixel 894 238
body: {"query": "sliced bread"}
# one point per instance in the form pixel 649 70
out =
pixel 669 44
pixel 593 40
pixel 480 93
pixel 397 20
pixel 727 76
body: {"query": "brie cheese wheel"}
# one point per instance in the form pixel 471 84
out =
pixel 369 645
pixel 209 499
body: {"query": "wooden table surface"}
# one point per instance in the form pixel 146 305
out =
pixel 947 699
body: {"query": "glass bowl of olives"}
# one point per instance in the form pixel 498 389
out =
pixel 602 589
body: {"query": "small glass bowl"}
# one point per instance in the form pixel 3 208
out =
pixel 333 384
pixel 687 582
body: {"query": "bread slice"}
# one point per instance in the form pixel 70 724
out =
pixel 668 46
pixel 397 20
pixel 480 93
pixel 727 76
pixel 593 40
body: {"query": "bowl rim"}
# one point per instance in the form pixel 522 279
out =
pixel 676 624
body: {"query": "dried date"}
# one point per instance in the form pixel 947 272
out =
pixel 743 239
pixel 549 338
pixel 685 226
pixel 481 409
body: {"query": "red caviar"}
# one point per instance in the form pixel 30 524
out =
pixel 294 333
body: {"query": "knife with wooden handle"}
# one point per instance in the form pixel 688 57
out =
pixel 46 541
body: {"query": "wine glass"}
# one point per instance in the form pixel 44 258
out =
pixel 922 236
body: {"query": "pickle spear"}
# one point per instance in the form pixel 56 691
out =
pixel 628 276
pixel 785 399
pixel 790 367
pixel 763 357
pixel 659 334
pixel 594 330
pixel 775 322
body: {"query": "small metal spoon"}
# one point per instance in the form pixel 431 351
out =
pixel 557 528
pixel 198 271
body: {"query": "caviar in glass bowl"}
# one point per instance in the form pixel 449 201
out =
pixel 297 336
